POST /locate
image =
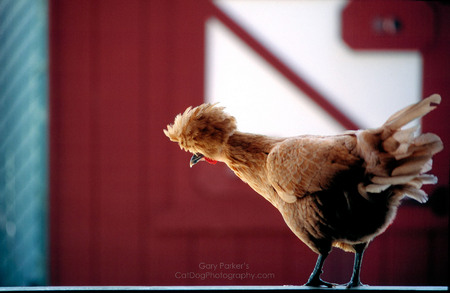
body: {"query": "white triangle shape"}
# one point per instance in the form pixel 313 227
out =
pixel 260 98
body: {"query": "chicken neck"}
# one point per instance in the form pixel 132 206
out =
pixel 246 155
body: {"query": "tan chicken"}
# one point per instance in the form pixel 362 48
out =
pixel 332 191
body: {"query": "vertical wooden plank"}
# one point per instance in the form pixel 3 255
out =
pixel 161 70
pixel 118 98
pixel 144 141
pixel 70 133
pixel 94 188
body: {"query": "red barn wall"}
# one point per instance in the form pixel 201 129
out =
pixel 125 207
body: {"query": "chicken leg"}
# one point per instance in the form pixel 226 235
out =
pixel 355 280
pixel 315 280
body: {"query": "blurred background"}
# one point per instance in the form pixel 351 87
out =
pixel 93 193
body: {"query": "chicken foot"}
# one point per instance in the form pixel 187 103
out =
pixel 359 252
pixel 315 280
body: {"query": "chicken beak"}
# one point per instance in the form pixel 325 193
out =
pixel 195 159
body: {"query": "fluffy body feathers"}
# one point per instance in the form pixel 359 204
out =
pixel 340 190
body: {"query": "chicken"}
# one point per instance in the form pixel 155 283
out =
pixel 332 191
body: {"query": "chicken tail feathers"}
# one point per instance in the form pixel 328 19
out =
pixel 412 112
pixel 397 158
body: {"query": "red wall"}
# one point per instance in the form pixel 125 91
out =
pixel 125 207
